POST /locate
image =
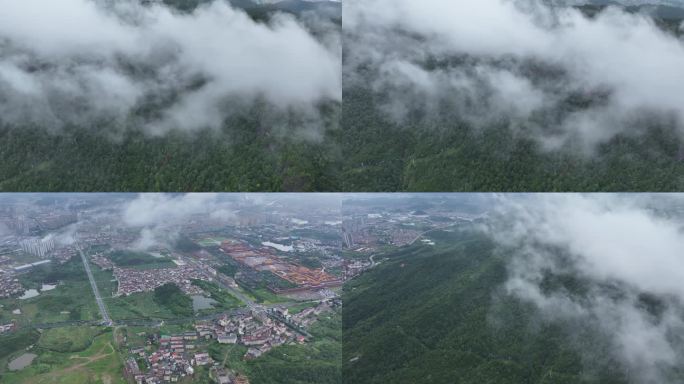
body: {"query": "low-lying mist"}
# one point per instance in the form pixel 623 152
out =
pixel 122 64
pixel 559 75
pixel 609 263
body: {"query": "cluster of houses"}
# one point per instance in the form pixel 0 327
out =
pixel 255 330
pixel 132 280
pixel 224 376
pixel 9 285
pixel 178 355
pixel 172 361
pixel 304 318
pixel 102 261
pixel 136 280
pixel 7 328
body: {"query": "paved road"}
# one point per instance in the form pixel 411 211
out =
pixel 100 303
pixel 372 260
pixel 430 230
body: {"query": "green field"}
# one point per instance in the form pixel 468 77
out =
pixel 138 306
pixel 262 295
pixel 212 241
pixel 71 300
pixel 294 309
pixel 68 339
pixel 224 300
pixel 15 344
pixel 99 362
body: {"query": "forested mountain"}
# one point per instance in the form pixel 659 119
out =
pixel 442 315
pixel 429 113
pixel 243 157
pixel 173 118
pixel 384 156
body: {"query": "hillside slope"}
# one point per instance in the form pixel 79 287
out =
pixel 439 315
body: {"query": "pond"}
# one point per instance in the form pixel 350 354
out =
pixel 22 361
pixel 200 302
pixel 34 292
pixel 29 294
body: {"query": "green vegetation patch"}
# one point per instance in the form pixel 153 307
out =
pixel 71 300
pixel 443 314
pixel 100 362
pixel 53 272
pixel 137 306
pixel 139 260
pixel 185 244
pixel 318 361
pixel 172 298
pixel 224 300
pixel 16 342
pixel 449 155
pixel 68 339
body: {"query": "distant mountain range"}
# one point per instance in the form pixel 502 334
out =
pixel 332 9
pixel 662 9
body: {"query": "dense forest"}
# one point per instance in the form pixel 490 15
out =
pixel 380 155
pixel 258 148
pixel 245 156
pixel 440 315
pixel 438 149
pixel 172 298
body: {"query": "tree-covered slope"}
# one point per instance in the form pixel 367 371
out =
pixel 244 157
pixel 408 127
pixel 440 315
pixel 380 155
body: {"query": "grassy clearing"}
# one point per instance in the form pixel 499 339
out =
pixel 71 300
pixel 137 306
pixel 98 363
pixel 71 339
pixel 295 309
pixel 224 300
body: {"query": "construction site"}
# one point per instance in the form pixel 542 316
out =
pixel 266 259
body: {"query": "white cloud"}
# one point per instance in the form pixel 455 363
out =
pixel 73 61
pixel 603 241
pixel 159 216
pixel 494 43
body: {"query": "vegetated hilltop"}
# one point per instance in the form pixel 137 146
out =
pixel 256 146
pixel 456 142
pixel 441 315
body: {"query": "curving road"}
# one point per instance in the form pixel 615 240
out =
pixel 431 230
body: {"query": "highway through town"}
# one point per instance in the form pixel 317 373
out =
pixel 100 303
